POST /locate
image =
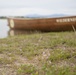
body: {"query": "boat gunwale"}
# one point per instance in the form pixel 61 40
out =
pixel 41 18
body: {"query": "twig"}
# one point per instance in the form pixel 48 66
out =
pixel 74 29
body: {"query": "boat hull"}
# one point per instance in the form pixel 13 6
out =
pixel 44 24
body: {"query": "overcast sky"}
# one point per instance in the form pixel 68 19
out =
pixel 43 7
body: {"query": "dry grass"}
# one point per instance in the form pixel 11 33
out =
pixel 52 53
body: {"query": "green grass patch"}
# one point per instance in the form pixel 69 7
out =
pixel 27 70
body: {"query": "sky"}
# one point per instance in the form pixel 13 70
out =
pixel 41 7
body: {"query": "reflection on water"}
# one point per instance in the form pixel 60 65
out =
pixel 5 31
pixel 20 32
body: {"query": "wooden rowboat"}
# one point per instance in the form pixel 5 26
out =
pixel 43 24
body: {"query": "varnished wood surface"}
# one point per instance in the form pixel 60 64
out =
pixel 44 24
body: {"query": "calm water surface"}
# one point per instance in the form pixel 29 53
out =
pixel 4 28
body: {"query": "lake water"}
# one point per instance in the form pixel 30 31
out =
pixel 4 28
